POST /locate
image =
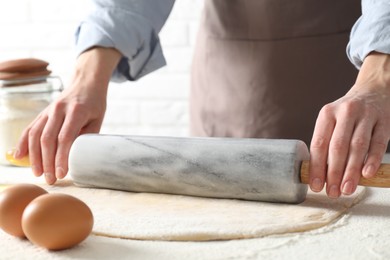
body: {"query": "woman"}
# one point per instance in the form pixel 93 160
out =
pixel 261 69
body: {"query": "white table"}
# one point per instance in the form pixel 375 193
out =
pixel 364 233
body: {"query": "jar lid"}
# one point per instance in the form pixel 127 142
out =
pixel 23 69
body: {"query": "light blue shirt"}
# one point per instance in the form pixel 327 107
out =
pixel 371 32
pixel 132 27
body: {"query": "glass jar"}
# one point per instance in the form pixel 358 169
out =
pixel 21 100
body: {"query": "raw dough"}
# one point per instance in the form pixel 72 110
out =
pixel 171 217
pixel 146 216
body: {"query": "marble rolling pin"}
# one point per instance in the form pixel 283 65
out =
pixel 250 169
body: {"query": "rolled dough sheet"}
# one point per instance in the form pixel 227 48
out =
pixel 146 216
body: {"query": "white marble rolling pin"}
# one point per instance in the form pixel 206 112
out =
pixel 250 169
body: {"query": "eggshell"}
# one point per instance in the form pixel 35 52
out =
pixel 57 221
pixel 13 201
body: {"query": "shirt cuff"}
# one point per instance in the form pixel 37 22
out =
pixel 371 32
pixel 130 34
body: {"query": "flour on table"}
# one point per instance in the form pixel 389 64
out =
pixel 146 216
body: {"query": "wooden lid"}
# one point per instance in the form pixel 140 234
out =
pixel 20 75
pixel 23 65
pixel 23 68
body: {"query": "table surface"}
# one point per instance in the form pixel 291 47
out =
pixel 363 233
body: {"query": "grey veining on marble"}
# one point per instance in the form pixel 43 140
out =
pixel 250 169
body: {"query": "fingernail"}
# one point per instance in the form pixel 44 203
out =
pixel 49 178
pixel 36 171
pixel 60 173
pixel 316 184
pixel 16 153
pixel 368 171
pixel 334 192
pixel 348 188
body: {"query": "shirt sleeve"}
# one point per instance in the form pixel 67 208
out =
pixel 371 32
pixel 131 27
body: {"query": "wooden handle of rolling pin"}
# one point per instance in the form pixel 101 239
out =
pixel 381 179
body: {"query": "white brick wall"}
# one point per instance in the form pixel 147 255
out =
pixel 155 105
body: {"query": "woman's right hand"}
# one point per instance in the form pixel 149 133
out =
pixel 78 110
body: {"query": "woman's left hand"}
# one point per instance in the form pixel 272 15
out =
pixel 352 133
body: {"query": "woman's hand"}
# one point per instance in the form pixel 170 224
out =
pixel 79 109
pixel 352 133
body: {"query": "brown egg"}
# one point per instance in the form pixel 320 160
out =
pixel 13 201
pixel 57 221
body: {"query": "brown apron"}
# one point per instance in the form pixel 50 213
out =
pixel 264 68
